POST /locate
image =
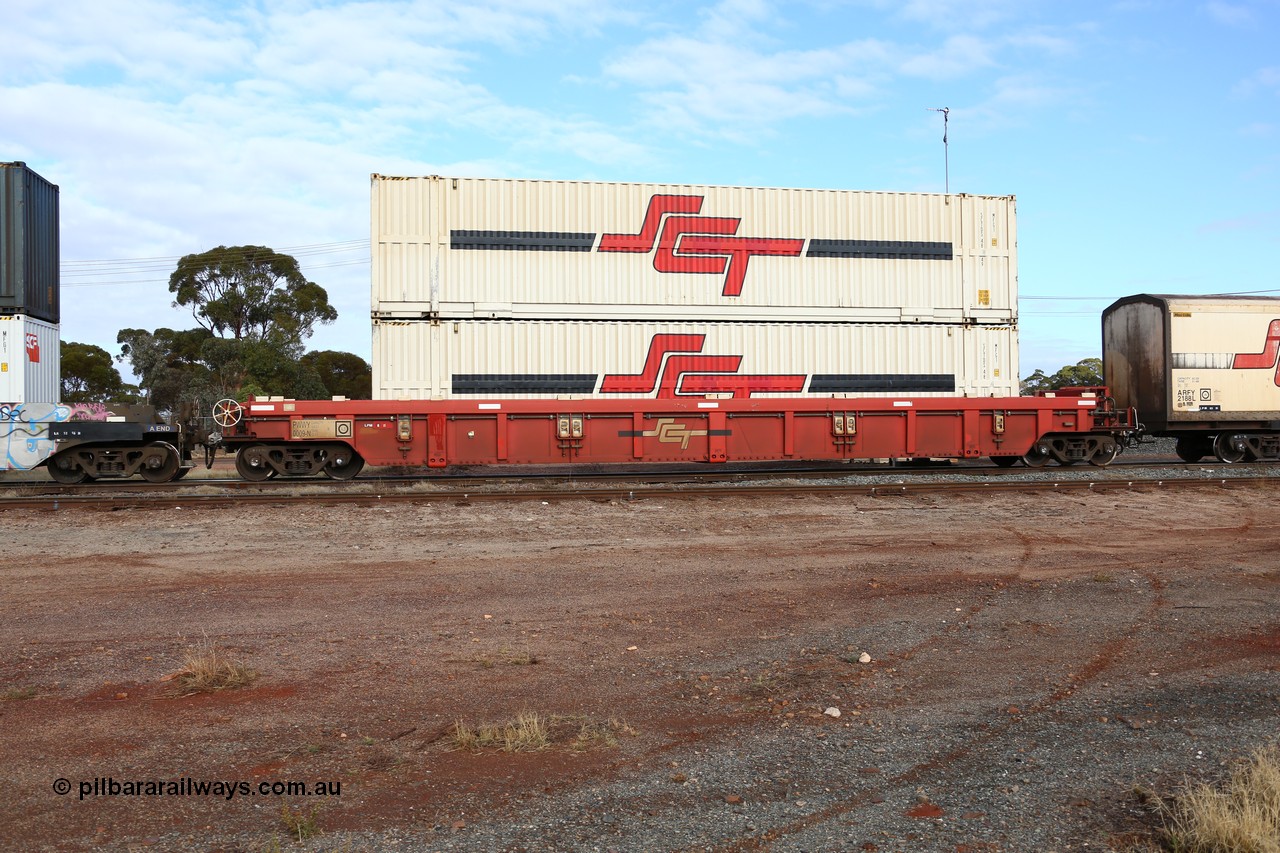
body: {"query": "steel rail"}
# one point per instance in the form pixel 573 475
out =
pixel 633 492
pixel 658 473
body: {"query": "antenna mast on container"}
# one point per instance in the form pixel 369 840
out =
pixel 946 154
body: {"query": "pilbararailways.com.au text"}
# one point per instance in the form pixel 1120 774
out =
pixel 107 786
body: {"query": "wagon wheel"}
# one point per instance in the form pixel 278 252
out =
pixel 160 463
pixel 66 470
pixel 226 413
pixel 1192 448
pixel 343 465
pixel 1005 461
pixel 1230 447
pixel 1105 455
pixel 1037 457
pixel 254 463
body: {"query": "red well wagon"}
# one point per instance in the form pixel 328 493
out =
pixel 276 437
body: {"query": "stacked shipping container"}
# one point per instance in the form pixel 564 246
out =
pixel 534 288
pixel 28 244
pixel 29 287
pixel 30 368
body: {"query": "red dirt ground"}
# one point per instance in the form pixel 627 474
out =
pixel 1104 637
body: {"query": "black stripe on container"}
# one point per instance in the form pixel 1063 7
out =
pixel 862 383
pixel 524 383
pixel 640 433
pixel 902 249
pixel 522 241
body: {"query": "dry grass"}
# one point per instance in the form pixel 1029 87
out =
pixel 1243 816
pixel 522 658
pixel 527 733
pixel 300 824
pixel 1240 816
pixel 530 732
pixel 593 734
pixel 206 669
pixel 18 694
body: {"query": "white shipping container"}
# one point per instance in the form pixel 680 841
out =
pixel 1183 359
pixel 30 367
pixel 542 358
pixel 492 248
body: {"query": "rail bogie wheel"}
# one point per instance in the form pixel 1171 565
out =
pixel 1230 447
pixel 1005 461
pixel 1105 454
pixel 343 465
pixel 227 412
pixel 253 463
pixel 70 475
pixel 182 472
pixel 160 463
pixel 1037 457
pixel 1192 448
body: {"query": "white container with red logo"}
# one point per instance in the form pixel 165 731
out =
pixel 30 369
pixel 500 359
pixel 475 248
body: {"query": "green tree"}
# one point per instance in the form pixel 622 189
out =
pixel 1086 372
pixel 88 375
pixel 344 374
pixel 257 308
pixel 278 369
pixel 250 293
pixel 169 366
pixel 1037 381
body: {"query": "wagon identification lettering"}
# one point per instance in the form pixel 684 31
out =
pixel 1190 393
pixel 305 429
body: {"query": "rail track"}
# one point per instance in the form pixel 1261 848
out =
pixel 628 484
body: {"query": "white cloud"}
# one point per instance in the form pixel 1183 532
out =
pixel 1015 101
pixel 1264 222
pixel 957 57
pixel 1230 14
pixel 951 15
pixel 1266 80
pixel 1043 43
pixel 174 127
pixel 732 77
pixel 1260 130
pixel 146 40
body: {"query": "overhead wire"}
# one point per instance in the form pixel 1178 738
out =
pixel 110 272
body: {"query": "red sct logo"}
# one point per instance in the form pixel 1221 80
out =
pixel 33 348
pixel 697 244
pixel 675 366
pixel 1262 360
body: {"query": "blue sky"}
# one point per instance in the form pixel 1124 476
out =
pixel 1141 138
